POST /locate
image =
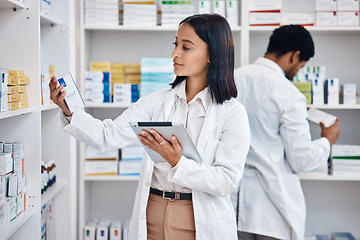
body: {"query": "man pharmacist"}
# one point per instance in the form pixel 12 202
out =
pixel 271 203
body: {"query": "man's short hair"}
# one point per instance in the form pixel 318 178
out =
pixel 291 38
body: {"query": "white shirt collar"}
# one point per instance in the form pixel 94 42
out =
pixel 204 95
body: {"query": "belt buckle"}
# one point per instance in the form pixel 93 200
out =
pixel 167 198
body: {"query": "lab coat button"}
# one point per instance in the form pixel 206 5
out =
pixel 141 216
pixel 147 184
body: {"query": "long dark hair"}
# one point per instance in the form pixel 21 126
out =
pixel 214 30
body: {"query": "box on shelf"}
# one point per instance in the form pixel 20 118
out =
pixel 348 5
pixel 265 6
pixel 232 12
pixel 6 163
pixel 350 18
pixel 115 230
pixel 303 19
pixel 326 19
pixel 325 5
pixel 204 7
pixel 101 162
pixel 348 94
pixel 331 91
pixel 264 18
pixel 219 7
pixel 3 90
pixel 317 91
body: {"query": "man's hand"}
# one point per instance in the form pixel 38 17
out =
pixel 332 133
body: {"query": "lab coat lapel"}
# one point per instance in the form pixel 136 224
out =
pixel 212 119
pixel 168 104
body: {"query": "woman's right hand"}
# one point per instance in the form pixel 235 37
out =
pixel 58 96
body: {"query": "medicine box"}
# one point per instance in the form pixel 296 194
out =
pixel 303 19
pixel 264 19
pixel 232 12
pixel 6 163
pixel 73 98
pixel 333 91
pixel 326 19
pixel 325 5
pixel 264 6
pixel 204 7
pixel 90 231
pixel 350 18
pixel 317 91
pixel 348 93
pixel 115 230
pixel 219 7
pixel 348 5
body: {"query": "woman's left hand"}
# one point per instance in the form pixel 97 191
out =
pixel 170 151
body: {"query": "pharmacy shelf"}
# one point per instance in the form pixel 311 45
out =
pixel 11 227
pixel 11 4
pixel 340 106
pixel 316 176
pixel 112 178
pixel 48 20
pixel 49 107
pixel 52 191
pixel 141 28
pixel 310 28
pixel 14 113
pixel 107 105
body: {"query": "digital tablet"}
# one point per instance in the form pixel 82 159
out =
pixel 167 130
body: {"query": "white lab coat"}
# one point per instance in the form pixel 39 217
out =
pixel 223 145
pixel 270 196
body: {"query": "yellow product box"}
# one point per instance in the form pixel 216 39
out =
pixel 14 81
pixel 140 2
pixel 133 79
pixel 51 70
pixel 100 66
pixel 17 97
pixel 18 105
pixel 118 67
pixel 16 89
pixel 133 68
pixel 118 78
pixel 303 86
pixel 16 73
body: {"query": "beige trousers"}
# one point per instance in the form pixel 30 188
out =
pixel 169 219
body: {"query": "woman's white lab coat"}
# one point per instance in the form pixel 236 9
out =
pixel 271 200
pixel 223 145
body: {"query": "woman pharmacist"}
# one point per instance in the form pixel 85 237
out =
pixel 201 98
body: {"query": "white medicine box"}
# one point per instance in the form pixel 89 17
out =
pixel 326 19
pixel 350 18
pixel 325 5
pixel 348 5
pixel 348 93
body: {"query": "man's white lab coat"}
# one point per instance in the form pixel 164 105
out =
pixel 271 200
pixel 223 145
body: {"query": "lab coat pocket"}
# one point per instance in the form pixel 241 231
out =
pixel 224 225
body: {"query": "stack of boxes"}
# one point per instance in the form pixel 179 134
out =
pixel 172 12
pixel 318 89
pixel 345 160
pixel 264 13
pixel 337 12
pixel 98 83
pixel 12 182
pixel 13 89
pixel 101 162
pixel 112 82
pixel 104 12
pixel 139 13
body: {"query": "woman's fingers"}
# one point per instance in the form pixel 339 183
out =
pixel 158 137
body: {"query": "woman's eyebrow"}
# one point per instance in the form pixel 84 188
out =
pixel 185 40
